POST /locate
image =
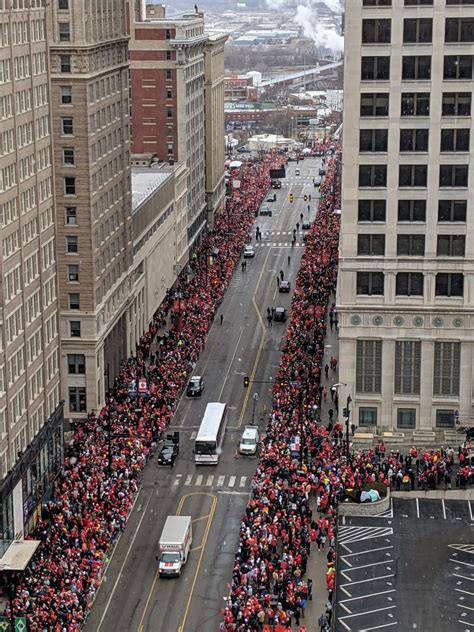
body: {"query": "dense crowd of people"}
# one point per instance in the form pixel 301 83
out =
pixel 94 494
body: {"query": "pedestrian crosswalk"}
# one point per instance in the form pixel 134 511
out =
pixel 240 483
pixel 278 244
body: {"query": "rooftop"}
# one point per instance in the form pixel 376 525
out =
pixel 145 181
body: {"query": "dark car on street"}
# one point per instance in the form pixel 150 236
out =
pixel 285 286
pixel 306 225
pixel 195 386
pixel 168 454
pixel 280 315
pixel 276 184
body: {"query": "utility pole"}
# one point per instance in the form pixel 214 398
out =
pixel 346 413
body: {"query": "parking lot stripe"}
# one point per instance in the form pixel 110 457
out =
pixel 444 508
pixel 361 614
pixel 346 591
pixel 460 605
pixel 466 623
pixel 470 510
pixel 346 627
pixel 345 608
pixel 382 548
pixel 459 562
pixel 384 592
pixel 378 627
pixel 466 592
pixel 417 508
pixel 371 579
pixel 470 579
pixel 356 568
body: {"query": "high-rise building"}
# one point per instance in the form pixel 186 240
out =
pixel 406 279
pixel 90 104
pixel 167 88
pixel 30 407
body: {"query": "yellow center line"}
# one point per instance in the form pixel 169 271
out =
pixel 262 340
pixel 203 546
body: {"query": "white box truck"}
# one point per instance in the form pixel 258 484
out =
pixel 175 544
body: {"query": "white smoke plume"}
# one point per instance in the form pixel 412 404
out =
pixel 324 36
pixel 276 4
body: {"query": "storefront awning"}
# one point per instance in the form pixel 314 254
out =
pixel 18 555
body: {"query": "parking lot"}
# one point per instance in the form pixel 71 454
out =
pixel 411 568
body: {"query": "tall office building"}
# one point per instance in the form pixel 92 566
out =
pixel 167 88
pixel 406 281
pixel 90 104
pixel 30 408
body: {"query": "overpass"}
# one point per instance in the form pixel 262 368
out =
pixel 301 76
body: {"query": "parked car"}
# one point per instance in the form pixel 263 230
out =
pixel 195 386
pixel 317 181
pixel 265 210
pixel 297 172
pixel 322 172
pixel 280 315
pixel 285 286
pixel 249 440
pixel 276 184
pixel 168 454
pixel 249 251
pixel 272 198
pixel 244 150
pixel 306 225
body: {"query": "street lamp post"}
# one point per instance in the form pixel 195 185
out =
pixel 347 417
pixel 255 400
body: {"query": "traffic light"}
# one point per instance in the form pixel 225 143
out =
pixel 291 198
pixel 246 382
pixel 345 413
pixel 305 198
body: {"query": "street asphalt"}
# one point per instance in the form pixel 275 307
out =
pixel 133 597
pixel 411 568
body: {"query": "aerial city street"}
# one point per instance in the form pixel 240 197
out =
pixel 236 360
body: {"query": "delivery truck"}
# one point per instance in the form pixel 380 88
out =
pixel 175 544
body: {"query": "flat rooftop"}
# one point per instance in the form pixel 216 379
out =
pixel 145 181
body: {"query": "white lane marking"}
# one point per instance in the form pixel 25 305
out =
pixel 199 478
pixel 243 480
pixel 460 605
pixel 345 626
pixel 363 581
pixel 193 435
pixel 417 508
pixel 231 482
pixel 346 591
pixel 383 592
pixel 444 508
pixel 232 492
pixel 210 479
pixel 361 614
pixel 177 480
pixel 188 480
pixel 356 568
pixel 469 579
pixel 220 481
pixel 381 548
pixel 470 510
pixel 378 627
pixel 345 608
pixel 119 576
pixel 466 623
pixel 230 365
pixel 466 592
pixel 459 562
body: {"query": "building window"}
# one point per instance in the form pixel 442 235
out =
pixel 74 301
pixel 168 55
pixel 411 210
pixel 67 125
pixel 416 67
pixel 414 139
pixel 406 418
pixel 412 175
pixel 72 244
pixel 409 284
pixel 71 215
pixel 68 156
pixel 459 30
pixel 456 104
pixel 411 245
pixel 372 175
pixel 77 399
pixel 65 95
pixel 376 31
pixel 373 140
pixel 417 3
pixel 168 34
pixel 371 245
pixel 169 93
pixel 455 139
pixel 369 366
pixel 372 210
pixel 415 104
pixel 453 175
pixel 169 112
pixel 375 68
pixel 459 2
pixel 367 417
pixel 407 367
pixel 69 186
pixel 444 418
pixel 449 284
pixel 75 328
pixel 73 273
pixel 452 210
pixel 451 246
pixel 374 104
pixel 76 364
pixel 169 149
pixel 417 30
pixel 370 283
pixel 65 63
pixel 64 32
pixel 377 3
pixel 457 67
pixel 168 75
pixel 447 365
pixel 63 5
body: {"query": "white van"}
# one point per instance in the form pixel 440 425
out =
pixel 249 440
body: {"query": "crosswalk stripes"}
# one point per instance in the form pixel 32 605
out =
pixel 349 534
pixel 275 244
pixel 211 480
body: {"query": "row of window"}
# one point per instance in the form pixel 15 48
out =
pixel 413 175
pixel 415 3
pixel 377 68
pixel 414 140
pixel 448 284
pixel 417 30
pixel 406 417
pixel 373 244
pixel 415 104
pixel 412 210
pixel 407 369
